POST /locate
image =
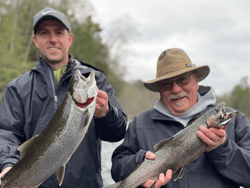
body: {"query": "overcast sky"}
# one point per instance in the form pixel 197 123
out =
pixel 214 32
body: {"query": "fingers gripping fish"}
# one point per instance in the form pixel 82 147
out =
pixel 178 151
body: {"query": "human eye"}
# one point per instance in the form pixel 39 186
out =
pixel 42 32
pixel 60 32
pixel 183 80
pixel 166 85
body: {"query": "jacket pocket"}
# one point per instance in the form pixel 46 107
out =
pixel 208 179
pixel 41 91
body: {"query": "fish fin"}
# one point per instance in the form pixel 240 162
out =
pixel 113 185
pixel 162 143
pixel 178 174
pixel 60 174
pixel 26 146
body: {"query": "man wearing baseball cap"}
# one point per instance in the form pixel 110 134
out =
pixel 50 14
pixel 226 162
pixel 30 101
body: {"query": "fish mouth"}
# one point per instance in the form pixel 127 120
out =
pixel 83 105
pixel 221 119
pixel 84 90
pixel 227 117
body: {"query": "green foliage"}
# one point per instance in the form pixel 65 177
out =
pixel 136 98
pixel 19 54
pixel 11 49
pixel 87 45
pixel 239 98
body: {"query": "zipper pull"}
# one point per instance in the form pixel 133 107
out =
pixel 55 99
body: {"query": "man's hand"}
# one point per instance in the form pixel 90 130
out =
pixel 163 179
pixel 102 106
pixel 4 172
pixel 213 137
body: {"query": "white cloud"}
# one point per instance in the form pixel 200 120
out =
pixel 214 32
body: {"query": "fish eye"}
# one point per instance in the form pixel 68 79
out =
pixel 216 110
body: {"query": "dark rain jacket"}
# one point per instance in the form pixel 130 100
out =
pixel 28 104
pixel 227 166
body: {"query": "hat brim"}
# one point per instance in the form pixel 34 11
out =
pixel 203 71
pixel 48 17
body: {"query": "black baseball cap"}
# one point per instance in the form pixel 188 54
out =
pixel 49 14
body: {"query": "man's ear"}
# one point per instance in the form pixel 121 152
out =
pixel 71 38
pixel 35 40
pixel 197 80
pixel 196 76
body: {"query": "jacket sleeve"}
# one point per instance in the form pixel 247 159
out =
pixel 127 156
pixel 112 127
pixel 11 135
pixel 232 159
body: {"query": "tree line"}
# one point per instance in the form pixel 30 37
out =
pixel 19 54
pixel 136 98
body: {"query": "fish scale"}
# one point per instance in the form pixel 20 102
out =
pixel 178 151
pixel 49 152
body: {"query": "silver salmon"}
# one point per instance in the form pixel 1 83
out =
pixel 49 152
pixel 178 151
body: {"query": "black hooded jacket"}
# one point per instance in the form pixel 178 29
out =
pixel 28 104
pixel 227 166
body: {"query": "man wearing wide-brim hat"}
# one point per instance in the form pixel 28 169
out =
pixel 226 160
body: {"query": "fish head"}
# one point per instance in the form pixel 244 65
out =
pixel 219 117
pixel 83 90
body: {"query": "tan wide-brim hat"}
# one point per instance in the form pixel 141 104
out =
pixel 174 62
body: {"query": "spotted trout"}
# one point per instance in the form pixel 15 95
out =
pixel 49 152
pixel 178 151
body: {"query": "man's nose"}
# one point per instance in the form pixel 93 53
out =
pixel 53 38
pixel 176 88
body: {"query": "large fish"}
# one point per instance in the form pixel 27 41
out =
pixel 178 151
pixel 48 152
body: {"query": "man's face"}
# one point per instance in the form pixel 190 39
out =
pixel 53 40
pixel 180 99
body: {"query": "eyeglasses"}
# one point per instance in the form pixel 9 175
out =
pixel 165 86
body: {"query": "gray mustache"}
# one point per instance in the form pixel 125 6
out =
pixel 178 96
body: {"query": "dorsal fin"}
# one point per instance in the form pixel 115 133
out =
pixel 162 143
pixel 178 174
pixel 60 174
pixel 26 146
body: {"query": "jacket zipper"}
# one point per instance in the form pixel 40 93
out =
pixel 54 93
